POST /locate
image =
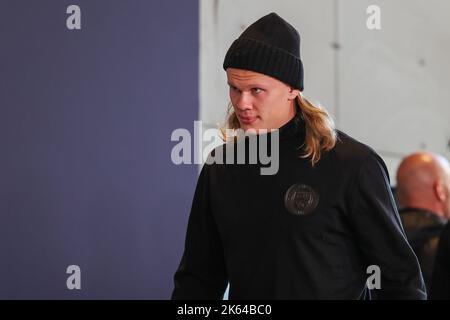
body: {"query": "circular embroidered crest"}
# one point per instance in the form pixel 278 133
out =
pixel 300 199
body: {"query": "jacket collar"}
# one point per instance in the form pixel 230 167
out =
pixel 294 128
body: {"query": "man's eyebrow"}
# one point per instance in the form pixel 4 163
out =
pixel 252 85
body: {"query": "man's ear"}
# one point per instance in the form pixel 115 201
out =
pixel 439 191
pixel 293 93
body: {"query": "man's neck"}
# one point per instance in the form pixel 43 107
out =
pixel 432 208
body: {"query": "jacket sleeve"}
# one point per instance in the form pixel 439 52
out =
pixel 440 285
pixel 380 235
pixel 201 273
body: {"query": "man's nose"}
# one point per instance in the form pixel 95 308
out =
pixel 244 101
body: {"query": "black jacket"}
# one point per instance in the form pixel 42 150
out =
pixel 440 285
pixel 423 230
pixel 240 230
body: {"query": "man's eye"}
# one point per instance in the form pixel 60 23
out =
pixel 257 90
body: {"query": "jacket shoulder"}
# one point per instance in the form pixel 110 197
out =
pixel 353 154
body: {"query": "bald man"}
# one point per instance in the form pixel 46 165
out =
pixel 423 192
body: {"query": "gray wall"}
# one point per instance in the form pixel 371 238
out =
pixel 85 121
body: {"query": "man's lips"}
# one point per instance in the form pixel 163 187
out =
pixel 247 120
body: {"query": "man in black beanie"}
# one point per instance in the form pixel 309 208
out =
pixel 315 228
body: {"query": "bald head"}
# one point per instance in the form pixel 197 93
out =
pixel 423 181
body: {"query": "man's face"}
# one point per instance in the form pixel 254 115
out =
pixel 260 101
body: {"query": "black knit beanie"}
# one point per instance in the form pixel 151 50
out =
pixel 270 46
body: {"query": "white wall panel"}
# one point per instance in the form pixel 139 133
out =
pixel 394 82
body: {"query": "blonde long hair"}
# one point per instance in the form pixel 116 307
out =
pixel 320 132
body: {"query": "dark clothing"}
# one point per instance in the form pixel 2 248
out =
pixel 440 285
pixel 423 229
pixel 240 230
